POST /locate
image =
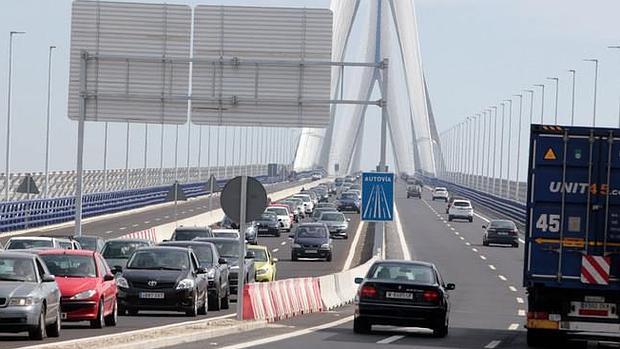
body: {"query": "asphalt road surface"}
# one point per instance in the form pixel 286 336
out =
pixel 280 248
pixel 488 305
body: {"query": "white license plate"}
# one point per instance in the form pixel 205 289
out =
pixel 312 251
pixel 152 295
pixel 399 295
pixel 263 230
pixel 593 309
pixel 502 233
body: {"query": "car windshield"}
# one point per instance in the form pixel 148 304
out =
pixel 336 217
pixel 311 232
pixel 159 259
pixel 439 190
pixel 188 235
pixel 420 274
pixel 17 269
pixel 280 211
pixel 121 249
pixel 326 205
pixel 260 255
pixel 461 204
pixel 226 234
pixel 268 217
pixel 70 265
pixel 228 248
pixel 503 225
pixel 87 243
pixel 304 198
pixel 349 196
pixel 26 244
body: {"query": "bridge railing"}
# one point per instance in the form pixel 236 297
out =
pixel 512 209
pixel 24 214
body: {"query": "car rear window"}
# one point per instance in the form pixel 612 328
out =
pixel 461 204
pixel 328 216
pixel 280 211
pixel 420 274
pixel 349 196
pixel 23 244
pixel 503 225
pixel 188 235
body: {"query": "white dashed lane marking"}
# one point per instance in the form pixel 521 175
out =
pixel 275 250
pixel 513 327
pixel 521 312
pixel 483 258
pixel 122 228
pixel 502 277
pixel 474 249
pixel 391 339
pixel 492 344
pixel 283 243
pixel 512 288
pixel 492 266
pixel 520 300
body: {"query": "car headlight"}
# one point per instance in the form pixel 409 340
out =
pixel 84 295
pixel 296 246
pixel 21 301
pixel 122 282
pixel 325 246
pixel 186 284
pixel 262 271
pixel 211 274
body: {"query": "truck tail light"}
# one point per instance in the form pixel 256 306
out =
pixel 538 315
pixel 368 291
pixel 430 296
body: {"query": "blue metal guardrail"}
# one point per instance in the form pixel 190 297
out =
pixel 16 215
pixel 505 207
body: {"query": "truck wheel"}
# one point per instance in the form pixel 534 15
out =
pixel 449 218
pixel 485 243
pixel 471 219
pixel 536 338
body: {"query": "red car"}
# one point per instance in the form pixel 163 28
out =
pixel 87 286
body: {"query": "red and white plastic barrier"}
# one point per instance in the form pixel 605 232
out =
pixel 283 299
pixel 148 234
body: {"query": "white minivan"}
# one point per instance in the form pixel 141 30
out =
pixel 461 209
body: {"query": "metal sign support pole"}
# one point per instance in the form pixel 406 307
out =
pixel 80 150
pixel 242 228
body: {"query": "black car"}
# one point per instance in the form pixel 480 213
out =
pixel 163 278
pixel 500 231
pixel 268 224
pixel 228 249
pixel 402 293
pixel 190 233
pixel 414 191
pixel 311 240
pixel 217 271
pixel 90 242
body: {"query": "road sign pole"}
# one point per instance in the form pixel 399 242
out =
pixel 80 150
pixel 242 228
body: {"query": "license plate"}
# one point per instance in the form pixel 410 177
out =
pixel 399 295
pixel 263 230
pixel 312 251
pixel 593 309
pixel 152 295
pixel 63 316
pixel 502 233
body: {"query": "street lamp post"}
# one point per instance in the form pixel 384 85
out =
pixel 482 150
pixel 479 116
pixel 8 117
pixel 127 158
pixel 501 150
pixel 508 150
pixel 519 144
pixel 557 85
pixel 47 125
pixel 489 150
pixel 542 102
pixel 494 144
pixel 572 103
pixel 595 88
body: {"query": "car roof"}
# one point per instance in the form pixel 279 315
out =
pixel 171 248
pixel 39 238
pixel 440 188
pixel 185 243
pixel 86 237
pixel 257 247
pixel 192 228
pixel 9 253
pixel 215 238
pixel 408 262
pixel 62 251
pixel 225 231
pixel 313 224
pixel 462 200
pixel 130 240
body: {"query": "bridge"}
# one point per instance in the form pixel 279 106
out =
pixel 294 97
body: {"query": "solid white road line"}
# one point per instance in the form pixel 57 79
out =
pixel 502 277
pixel 513 327
pixel 482 217
pixel 512 288
pixel 390 339
pixel 492 266
pixel 520 300
pixel 289 335
pixel 401 235
pixel 352 248
pixel 492 345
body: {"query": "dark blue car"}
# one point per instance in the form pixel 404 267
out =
pixel 349 202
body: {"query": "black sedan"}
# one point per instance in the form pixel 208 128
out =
pixel 217 271
pixel 163 278
pixel 402 293
pixel 267 223
pixel 311 240
pixel 500 231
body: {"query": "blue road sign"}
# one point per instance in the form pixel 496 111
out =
pixel 377 196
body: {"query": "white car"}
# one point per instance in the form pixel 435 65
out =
pixel 461 209
pixel 284 217
pixel 34 242
pixel 308 204
pixel 440 193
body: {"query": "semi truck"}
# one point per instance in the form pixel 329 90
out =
pixel 572 250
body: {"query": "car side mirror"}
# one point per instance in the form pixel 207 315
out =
pixel 222 261
pixel 358 280
pixel 484 227
pixel 450 287
pixel 291 235
pixel 108 277
pixel 48 278
pixel 274 260
pixel 117 269
pixel 201 270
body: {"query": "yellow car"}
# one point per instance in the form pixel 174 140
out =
pixel 264 263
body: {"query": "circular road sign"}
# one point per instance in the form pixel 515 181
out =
pixel 256 199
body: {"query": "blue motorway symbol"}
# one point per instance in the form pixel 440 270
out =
pixel 377 196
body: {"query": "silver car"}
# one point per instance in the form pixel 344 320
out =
pixel 337 223
pixel 29 296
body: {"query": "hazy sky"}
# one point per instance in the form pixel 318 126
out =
pixel 475 54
